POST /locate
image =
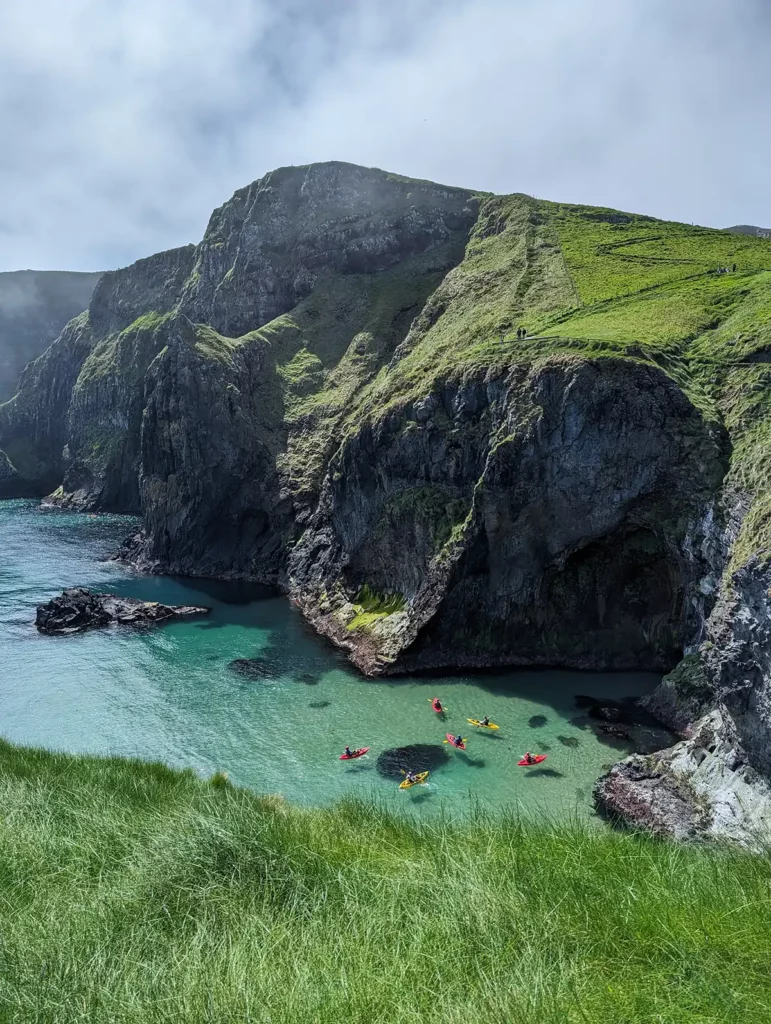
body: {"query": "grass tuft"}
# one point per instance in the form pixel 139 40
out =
pixel 133 893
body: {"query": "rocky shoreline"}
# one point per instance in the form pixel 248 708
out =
pixel 78 609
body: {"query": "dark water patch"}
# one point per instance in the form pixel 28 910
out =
pixel 622 724
pixel 569 741
pixel 306 678
pixel 544 746
pixel 254 668
pixel 319 704
pixel 544 773
pixel 537 721
pixel 232 593
pixel 416 757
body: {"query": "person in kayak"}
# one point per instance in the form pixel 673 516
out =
pixel 410 776
pixel 485 720
pixel 458 740
pixel 348 752
pixel 529 758
pixel 438 704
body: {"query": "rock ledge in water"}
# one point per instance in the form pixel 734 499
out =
pixel 78 609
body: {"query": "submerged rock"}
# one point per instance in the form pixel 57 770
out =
pixel 253 668
pixel 78 609
pixel 417 757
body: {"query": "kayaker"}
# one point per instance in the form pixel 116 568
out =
pixel 529 758
pixel 410 776
pixel 485 720
pixel 438 704
pixel 348 752
pixel 458 740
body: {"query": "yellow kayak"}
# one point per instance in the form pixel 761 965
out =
pixel 419 779
pixel 475 721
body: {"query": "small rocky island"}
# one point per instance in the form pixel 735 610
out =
pixel 78 609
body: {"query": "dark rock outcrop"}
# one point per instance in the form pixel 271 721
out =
pixel 79 609
pixel 703 787
pixel 552 517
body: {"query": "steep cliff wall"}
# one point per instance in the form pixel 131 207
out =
pixel 538 517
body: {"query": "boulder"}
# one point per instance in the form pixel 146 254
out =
pixel 78 609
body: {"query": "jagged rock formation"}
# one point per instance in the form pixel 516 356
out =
pixel 34 307
pixel 332 392
pixel 79 609
pixel 703 787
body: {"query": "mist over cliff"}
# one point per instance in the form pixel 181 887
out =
pixel 34 307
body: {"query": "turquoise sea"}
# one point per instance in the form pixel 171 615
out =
pixel 168 693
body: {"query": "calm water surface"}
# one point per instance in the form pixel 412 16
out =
pixel 168 694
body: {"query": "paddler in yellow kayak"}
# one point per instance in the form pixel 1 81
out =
pixel 485 720
pixel 410 777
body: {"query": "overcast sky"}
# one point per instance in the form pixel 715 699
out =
pixel 123 123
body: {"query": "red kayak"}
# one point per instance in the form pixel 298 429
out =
pixel 451 740
pixel 537 760
pixel 354 753
pixel 439 709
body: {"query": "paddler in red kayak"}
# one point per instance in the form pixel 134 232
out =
pixel 529 758
pixel 348 752
pixel 437 704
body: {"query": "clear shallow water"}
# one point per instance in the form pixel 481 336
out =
pixel 168 694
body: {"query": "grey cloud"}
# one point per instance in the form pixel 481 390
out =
pixel 124 124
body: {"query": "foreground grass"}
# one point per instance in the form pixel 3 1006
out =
pixel 134 893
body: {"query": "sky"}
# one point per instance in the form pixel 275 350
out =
pixel 124 123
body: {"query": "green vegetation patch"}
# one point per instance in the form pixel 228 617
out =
pixel 610 254
pixel 126 354
pixel 133 893
pixel 371 607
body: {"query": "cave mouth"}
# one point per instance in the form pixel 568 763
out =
pixel 620 603
pixel 616 603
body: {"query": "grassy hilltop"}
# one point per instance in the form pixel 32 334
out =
pixel 133 893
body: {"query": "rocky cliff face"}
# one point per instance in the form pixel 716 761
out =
pixel 536 518
pixel 459 430
pixel 34 307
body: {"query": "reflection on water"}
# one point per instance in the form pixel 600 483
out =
pixel 173 694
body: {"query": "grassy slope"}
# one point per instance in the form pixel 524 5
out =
pixel 132 893
pixel 585 281
pixel 591 282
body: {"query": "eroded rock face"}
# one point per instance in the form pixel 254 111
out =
pixel 264 250
pixel 703 787
pixel 539 518
pixel 78 609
